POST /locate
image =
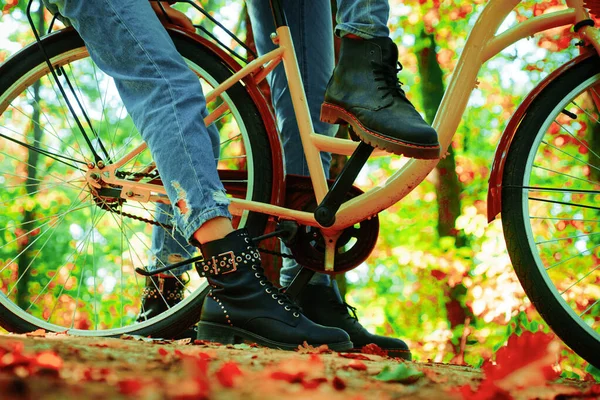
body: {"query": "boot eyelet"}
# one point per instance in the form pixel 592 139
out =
pixel 274 296
pixel 296 315
pixel 287 308
pixel 257 275
pixel 268 290
pixel 280 302
pixel 262 283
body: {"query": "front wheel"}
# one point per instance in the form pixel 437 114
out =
pixel 68 252
pixel 551 206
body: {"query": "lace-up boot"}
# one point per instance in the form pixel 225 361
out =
pixel 243 306
pixel 324 305
pixel 161 293
pixel 364 92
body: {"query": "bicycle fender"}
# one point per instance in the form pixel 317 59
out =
pixel 494 197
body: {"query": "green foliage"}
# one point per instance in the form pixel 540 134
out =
pixel 403 373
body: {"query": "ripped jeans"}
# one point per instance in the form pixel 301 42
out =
pixel 165 100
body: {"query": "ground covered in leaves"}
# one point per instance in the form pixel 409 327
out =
pixel 57 366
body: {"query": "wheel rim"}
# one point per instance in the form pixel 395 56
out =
pixel 77 259
pixel 560 195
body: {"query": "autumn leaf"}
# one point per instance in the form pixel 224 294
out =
pixel 37 333
pixel 355 356
pixel 372 348
pixel 402 373
pixel 357 365
pixel 130 386
pixel 338 383
pixel 296 377
pixel 227 374
pixel 306 348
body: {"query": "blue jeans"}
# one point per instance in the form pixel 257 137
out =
pixel 164 98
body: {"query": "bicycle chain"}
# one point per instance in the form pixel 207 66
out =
pixel 170 227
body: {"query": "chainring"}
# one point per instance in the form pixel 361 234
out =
pixel 308 248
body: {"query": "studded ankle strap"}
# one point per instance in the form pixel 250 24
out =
pixel 224 263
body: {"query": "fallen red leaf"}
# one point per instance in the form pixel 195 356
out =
pixel 306 348
pixel 37 333
pixel 163 352
pixel 525 361
pixel 357 365
pixel 313 383
pixel 49 360
pixel 372 348
pixel 338 383
pixel 355 356
pixel 130 386
pixel 296 377
pixel 227 373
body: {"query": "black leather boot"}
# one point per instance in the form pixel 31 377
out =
pixel 324 305
pixel 364 92
pixel 161 293
pixel 243 306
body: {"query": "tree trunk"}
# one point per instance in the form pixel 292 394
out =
pixel 447 186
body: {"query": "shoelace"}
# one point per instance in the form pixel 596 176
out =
pixel 389 75
pixel 277 294
pixel 345 309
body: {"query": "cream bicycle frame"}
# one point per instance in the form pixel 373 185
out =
pixel 482 44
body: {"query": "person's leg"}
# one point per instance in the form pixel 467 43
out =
pixel 312 32
pixel 364 18
pixel 165 100
pixel 364 91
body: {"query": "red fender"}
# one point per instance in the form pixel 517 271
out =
pixel 278 194
pixel 494 199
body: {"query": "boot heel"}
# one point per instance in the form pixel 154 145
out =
pixel 216 333
pixel 331 115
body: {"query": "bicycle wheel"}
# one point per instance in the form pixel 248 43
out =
pixel 68 254
pixel 551 206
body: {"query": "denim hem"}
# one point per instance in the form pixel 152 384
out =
pixel 342 30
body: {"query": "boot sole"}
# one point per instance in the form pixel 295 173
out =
pixel 333 114
pixel 224 334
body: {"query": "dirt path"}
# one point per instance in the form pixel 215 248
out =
pixel 50 366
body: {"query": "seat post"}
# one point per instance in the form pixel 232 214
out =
pixel 278 14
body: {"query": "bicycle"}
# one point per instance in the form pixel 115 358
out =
pixel 330 228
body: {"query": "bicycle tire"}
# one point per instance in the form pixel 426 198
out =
pixel 17 76
pixel 549 191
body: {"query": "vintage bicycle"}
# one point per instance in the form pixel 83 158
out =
pixel 79 189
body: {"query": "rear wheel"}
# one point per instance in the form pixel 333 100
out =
pixel 551 206
pixel 67 253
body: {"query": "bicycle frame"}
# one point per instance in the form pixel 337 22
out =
pixel 482 44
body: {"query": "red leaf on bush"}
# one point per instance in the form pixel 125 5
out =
pixel 355 356
pixel 227 374
pixel 437 274
pixel 338 383
pixel 129 386
pixel 372 348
